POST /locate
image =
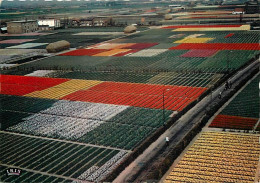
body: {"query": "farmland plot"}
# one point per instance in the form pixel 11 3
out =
pixel 56 160
pixel 69 120
pixel 219 157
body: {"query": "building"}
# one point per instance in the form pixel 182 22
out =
pixel 52 23
pixel 238 11
pixel 99 22
pixel 75 22
pixel 44 28
pixel 23 26
pixel 3 30
pixel 86 21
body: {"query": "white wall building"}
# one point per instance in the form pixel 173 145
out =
pixel 52 23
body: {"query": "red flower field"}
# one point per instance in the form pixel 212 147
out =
pixel 21 85
pixel 233 122
pixel 83 52
pixel 139 95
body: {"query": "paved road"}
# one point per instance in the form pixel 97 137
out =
pixel 176 131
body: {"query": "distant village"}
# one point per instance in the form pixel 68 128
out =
pixel 154 17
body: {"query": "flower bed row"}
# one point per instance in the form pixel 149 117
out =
pixel 83 52
pixel 28 176
pixel 95 123
pixel 133 94
pixel 69 120
pixel 217 46
pixel 243 111
pixel 52 88
pixel 58 158
pixel 222 157
pixel 139 95
pixel 233 122
pixel 96 173
pixel 31 81
pixel 119 50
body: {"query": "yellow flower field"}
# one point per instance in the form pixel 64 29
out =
pixel 64 89
pixel 219 157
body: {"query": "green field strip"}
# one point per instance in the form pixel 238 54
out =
pixel 49 180
pixel 141 121
pixel 87 163
pixel 185 79
pixel 98 158
pixel 108 76
pixel 128 63
pixel 50 162
pixel 246 103
pixel 59 180
pixel 59 164
pixel 17 160
pixel 68 62
pixel 61 156
pixel 22 177
pixel 235 58
pixel 10 118
pixel 25 104
pixel 8 140
pixel 40 178
pixel 30 157
pixel 106 158
pixel 55 158
pixel 26 176
pixel 81 163
pixel 238 37
pixel 76 160
pixel 16 108
pixel 30 165
pixel 22 148
pixel 11 151
pixel 14 142
pixel 78 142
pixel 164 45
pixel 38 164
pixel 141 117
pixel 117 135
pixel 32 178
pixel 162 78
pixel 177 64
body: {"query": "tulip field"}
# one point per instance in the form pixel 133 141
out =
pixel 242 112
pixel 163 78
pixel 61 161
pixel 75 116
pixel 28 176
pixel 219 157
pixel 80 121
pixel 130 94
pixel 198 48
